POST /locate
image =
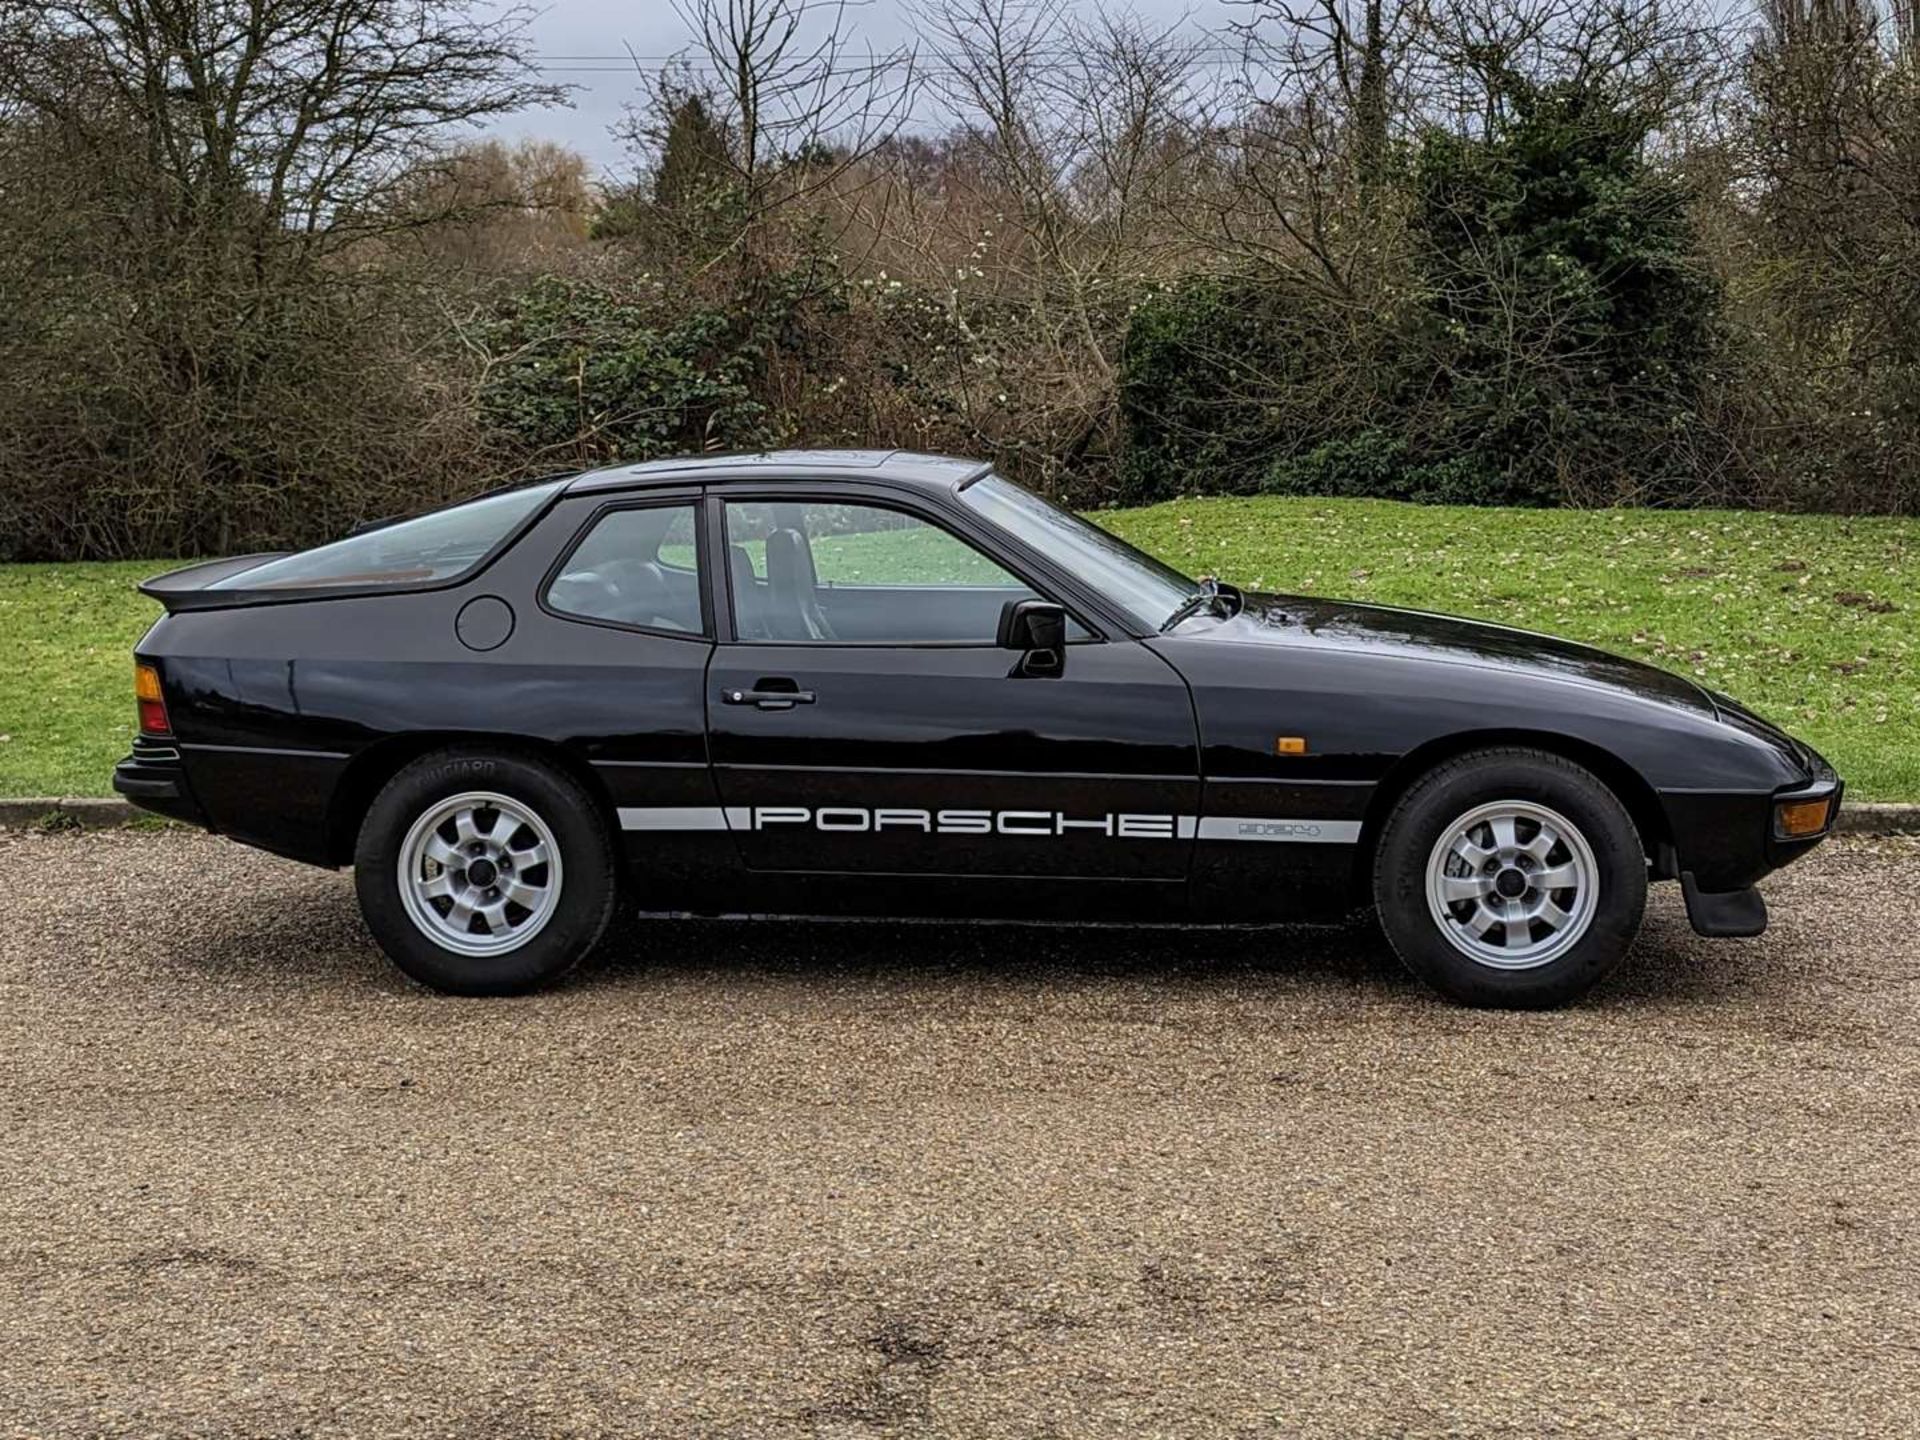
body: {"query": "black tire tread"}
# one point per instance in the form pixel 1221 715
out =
pixel 591 870
pixel 1564 980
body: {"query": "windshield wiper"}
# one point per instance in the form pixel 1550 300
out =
pixel 1206 597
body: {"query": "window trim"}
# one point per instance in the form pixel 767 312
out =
pixel 652 500
pixel 759 493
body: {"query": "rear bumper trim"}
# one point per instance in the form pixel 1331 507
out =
pixel 145 788
pixel 153 778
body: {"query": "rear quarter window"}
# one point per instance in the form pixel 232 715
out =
pixel 441 545
pixel 637 566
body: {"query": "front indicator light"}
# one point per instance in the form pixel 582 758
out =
pixel 1798 819
pixel 150 703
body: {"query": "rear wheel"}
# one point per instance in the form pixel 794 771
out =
pixel 484 872
pixel 1510 878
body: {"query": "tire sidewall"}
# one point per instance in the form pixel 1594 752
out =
pixel 1449 792
pixel 586 893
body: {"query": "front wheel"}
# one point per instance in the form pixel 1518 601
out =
pixel 1510 878
pixel 484 872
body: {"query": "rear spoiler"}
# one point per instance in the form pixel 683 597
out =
pixel 187 589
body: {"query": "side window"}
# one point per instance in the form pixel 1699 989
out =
pixel 859 574
pixel 635 567
pixel 864 545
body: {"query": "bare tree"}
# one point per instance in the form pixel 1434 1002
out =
pixel 1387 67
pixel 182 289
pixel 800 108
pixel 498 211
pixel 290 118
pixel 1348 57
pixel 1078 129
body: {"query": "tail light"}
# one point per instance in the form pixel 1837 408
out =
pixel 152 705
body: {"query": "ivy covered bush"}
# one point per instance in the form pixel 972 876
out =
pixel 1546 338
pixel 1568 321
pixel 582 373
pixel 1223 378
pixel 1381 465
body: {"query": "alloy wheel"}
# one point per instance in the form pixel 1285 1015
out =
pixel 1512 885
pixel 480 873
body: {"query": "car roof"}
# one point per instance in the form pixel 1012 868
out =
pixel 934 472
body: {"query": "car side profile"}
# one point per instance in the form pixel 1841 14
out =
pixel 885 684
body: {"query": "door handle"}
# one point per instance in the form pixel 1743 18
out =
pixel 769 699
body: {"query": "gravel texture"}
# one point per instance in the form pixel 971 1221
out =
pixel 847 1180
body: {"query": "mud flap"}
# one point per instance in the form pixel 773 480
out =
pixel 1723 913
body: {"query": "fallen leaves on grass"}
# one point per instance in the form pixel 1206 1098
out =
pixel 1870 603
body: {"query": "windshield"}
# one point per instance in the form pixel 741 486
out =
pixel 1139 584
pixel 435 546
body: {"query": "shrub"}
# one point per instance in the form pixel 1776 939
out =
pixel 1568 319
pixel 313 407
pixel 1221 375
pixel 1548 341
pixel 1380 464
pixel 583 374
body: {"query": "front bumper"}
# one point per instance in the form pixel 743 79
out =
pixel 1825 786
pixel 153 778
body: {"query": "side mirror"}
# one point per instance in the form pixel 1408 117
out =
pixel 1038 629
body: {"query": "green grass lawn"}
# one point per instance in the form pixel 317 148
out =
pixel 66 673
pixel 1813 620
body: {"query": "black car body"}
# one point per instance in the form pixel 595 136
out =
pixel 764 738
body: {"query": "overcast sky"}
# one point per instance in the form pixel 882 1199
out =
pixel 585 43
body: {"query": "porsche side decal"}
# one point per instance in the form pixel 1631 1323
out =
pixel 859 820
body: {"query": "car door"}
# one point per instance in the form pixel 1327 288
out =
pixel 863 720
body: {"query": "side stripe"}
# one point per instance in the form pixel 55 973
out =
pixel 1186 827
pixel 1262 827
pixel 674 817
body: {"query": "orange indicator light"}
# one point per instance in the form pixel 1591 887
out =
pixel 1797 819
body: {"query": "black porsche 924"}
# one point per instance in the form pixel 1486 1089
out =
pixel 887 684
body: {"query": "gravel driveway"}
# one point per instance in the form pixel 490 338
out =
pixel 864 1180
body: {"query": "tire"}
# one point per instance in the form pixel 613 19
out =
pixel 1442 879
pixel 524 832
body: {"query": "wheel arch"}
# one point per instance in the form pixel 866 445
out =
pixel 1629 787
pixel 369 770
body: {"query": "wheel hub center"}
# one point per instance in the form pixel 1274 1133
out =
pixel 481 872
pixel 1511 883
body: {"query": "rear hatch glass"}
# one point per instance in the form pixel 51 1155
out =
pixel 440 545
